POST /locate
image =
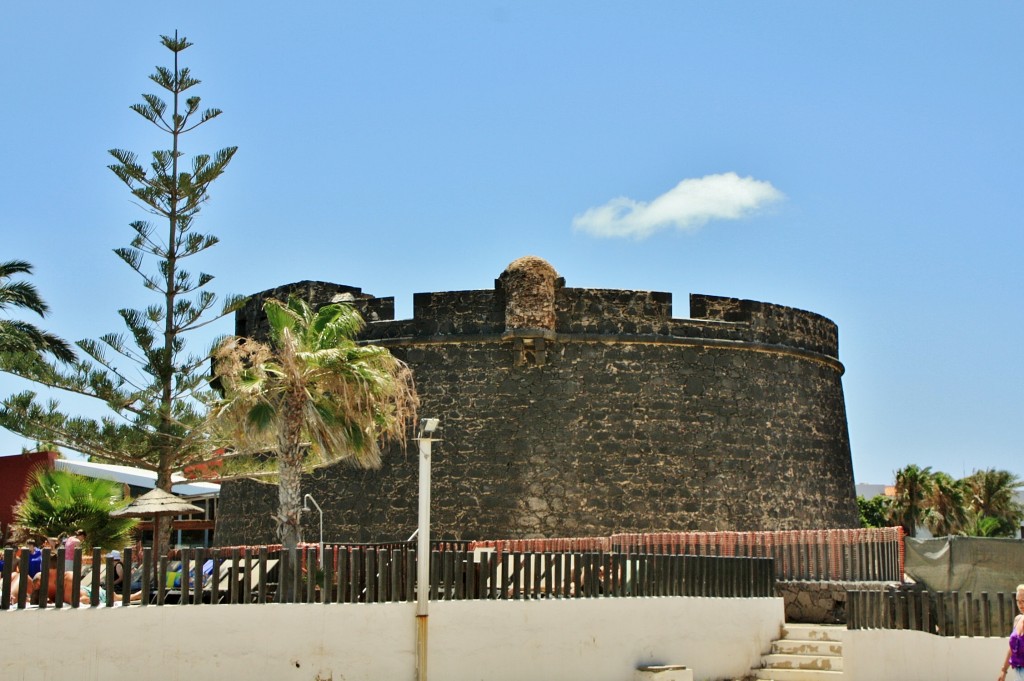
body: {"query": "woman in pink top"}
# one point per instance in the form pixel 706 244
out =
pixel 70 544
pixel 1015 655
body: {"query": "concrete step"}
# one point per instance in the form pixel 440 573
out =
pixel 788 646
pixel 827 663
pixel 813 632
pixel 796 675
pixel 806 652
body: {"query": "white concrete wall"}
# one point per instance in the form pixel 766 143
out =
pixel 600 639
pixel 884 655
pixel 593 639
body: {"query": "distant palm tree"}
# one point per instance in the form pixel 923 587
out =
pixel 59 502
pixel 982 526
pixel 310 397
pixel 910 506
pixel 947 505
pixel 993 495
pixel 22 338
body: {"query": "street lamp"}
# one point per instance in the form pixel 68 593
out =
pixel 306 501
pixel 425 438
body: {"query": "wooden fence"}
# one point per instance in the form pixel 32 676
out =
pixel 854 555
pixel 387 573
pixel 946 613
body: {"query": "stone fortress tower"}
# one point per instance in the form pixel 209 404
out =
pixel 586 412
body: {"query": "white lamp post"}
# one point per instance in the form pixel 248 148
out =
pixel 306 501
pixel 426 439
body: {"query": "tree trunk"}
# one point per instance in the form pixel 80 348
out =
pixel 162 525
pixel 289 526
pixel 289 471
pixel 290 501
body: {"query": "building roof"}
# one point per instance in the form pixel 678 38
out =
pixel 138 477
pixel 869 491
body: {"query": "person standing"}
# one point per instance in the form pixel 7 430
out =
pixel 1015 654
pixel 70 544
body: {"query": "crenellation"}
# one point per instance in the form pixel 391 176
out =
pixel 772 324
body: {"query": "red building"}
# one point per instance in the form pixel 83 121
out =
pixel 189 530
pixel 14 479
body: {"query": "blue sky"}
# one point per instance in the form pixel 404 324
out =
pixel 860 160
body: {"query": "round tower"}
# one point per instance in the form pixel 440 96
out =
pixel 581 412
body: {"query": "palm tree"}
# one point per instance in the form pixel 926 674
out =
pixel 59 502
pixel 310 397
pixel 993 495
pixel 913 487
pixel 947 504
pixel 18 337
pixel 982 526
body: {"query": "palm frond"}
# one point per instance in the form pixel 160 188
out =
pixel 312 395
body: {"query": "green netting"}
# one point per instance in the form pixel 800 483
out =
pixel 974 564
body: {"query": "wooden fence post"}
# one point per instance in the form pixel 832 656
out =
pixel 524 570
pixel 44 580
pixel 94 592
pixel 312 565
pixel 235 575
pixel 408 560
pixel 852 609
pixel 344 568
pixel 956 613
pixel 969 614
pixel 940 612
pixel 397 573
pixel 246 595
pixel 5 590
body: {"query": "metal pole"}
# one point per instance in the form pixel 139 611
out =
pixel 309 498
pixel 423 560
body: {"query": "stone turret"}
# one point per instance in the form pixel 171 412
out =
pixel 529 286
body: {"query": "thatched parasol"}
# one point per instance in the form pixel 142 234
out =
pixel 156 502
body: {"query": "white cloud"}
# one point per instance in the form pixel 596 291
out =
pixel 687 206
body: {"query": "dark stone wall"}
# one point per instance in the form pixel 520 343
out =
pixel 250 320
pixel 620 420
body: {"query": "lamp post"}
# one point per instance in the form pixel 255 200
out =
pixel 426 439
pixel 306 501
